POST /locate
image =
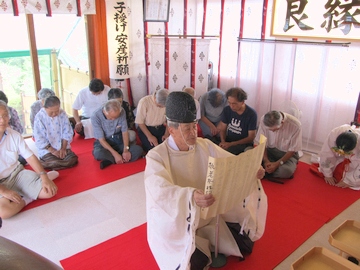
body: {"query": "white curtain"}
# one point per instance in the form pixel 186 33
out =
pixel 180 59
pixel 157 65
pixel 201 58
pixel 55 7
pixel 321 80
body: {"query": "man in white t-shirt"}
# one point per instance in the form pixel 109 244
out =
pixel 88 100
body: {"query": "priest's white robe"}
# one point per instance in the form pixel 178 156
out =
pixel 174 226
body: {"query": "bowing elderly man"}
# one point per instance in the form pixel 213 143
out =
pixel 112 144
pixel 175 176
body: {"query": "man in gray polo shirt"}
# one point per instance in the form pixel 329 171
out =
pixel 111 134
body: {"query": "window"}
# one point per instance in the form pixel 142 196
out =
pixel 60 39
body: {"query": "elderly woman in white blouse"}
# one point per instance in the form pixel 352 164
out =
pixel 53 135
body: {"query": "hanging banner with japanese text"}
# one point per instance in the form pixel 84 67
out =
pixel 118 39
pixel 324 19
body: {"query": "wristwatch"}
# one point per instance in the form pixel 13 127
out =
pixel 127 147
pixel 281 162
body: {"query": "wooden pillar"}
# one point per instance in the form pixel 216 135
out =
pixel 97 43
pixel 33 52
pixel 54 71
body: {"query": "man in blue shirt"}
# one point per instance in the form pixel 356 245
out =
pixel 238 123
pixel 111 134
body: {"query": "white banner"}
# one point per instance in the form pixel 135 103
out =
pixel 157 64
pixel 179 64
pixel 137 63
pixel 180 59
pixel 201 72
pixel 77 7
pixel 117 24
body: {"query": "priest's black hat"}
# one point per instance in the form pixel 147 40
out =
pixel 180 107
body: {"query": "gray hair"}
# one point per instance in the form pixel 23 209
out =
pixel 112 105
pixel 173 124
pixel 45 93
pixel 4 105
pixel 51 102
pixel 216 97
pixel 161 96
pixel 272 119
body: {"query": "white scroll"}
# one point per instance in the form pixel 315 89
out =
pixel 232 179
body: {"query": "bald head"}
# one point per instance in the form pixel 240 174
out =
pixel 190 91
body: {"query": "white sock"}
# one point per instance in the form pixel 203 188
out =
pixel 53 175
pixel 27 200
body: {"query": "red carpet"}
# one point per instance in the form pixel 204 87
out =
pixel 297 210
pixel 87 174
pixel 127 251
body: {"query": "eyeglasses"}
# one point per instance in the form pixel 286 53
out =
pixel 4 116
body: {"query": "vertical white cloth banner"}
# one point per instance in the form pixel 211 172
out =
pixel 137 62
pixel 118 39
pixel 179 64
pixel 202 66
pixel 39 7
pixel 157 64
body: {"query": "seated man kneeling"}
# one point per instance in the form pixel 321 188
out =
pixel 112 137
pixel 284 140
pixel 18 186
pixel 116 93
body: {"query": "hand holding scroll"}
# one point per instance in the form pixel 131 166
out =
pixel 203 200
pixel 261 173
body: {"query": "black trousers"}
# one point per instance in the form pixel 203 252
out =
pixel 157 131
pixel 198 260
pixel 116 142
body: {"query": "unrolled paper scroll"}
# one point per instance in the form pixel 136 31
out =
pixel 232 179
